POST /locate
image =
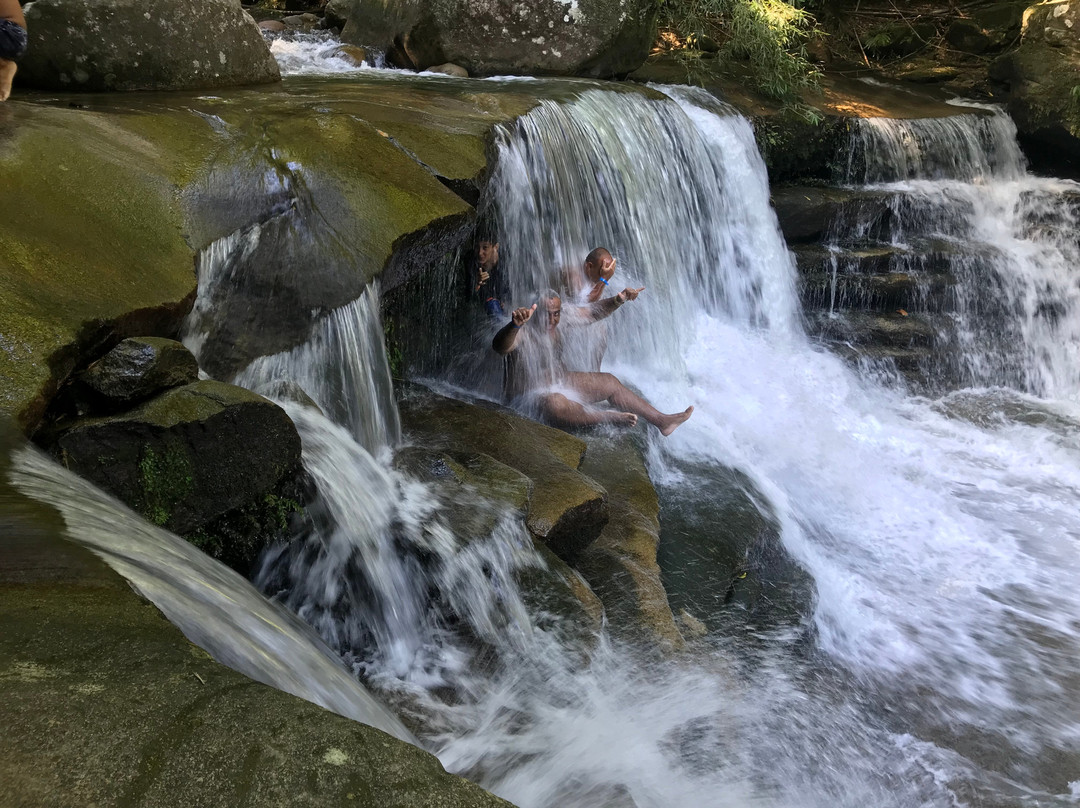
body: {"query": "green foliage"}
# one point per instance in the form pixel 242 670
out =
pixel 878 40
pixel 768 35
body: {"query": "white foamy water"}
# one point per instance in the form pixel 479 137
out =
pixel 315 55
pixel 940 535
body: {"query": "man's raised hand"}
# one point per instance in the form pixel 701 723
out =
pixel 629 294
pixel 522 315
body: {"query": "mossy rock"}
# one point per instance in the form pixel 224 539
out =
pixel 621 565
pixel 187 456
pixel 103 702
pixel 103 45
pixel 567 509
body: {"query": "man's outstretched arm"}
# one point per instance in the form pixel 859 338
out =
pixel 506 340
pixel 606 307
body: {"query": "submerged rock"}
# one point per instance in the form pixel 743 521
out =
pixel 139 367
pixel 600 38
pixel 450 69
pixel 567 509
pixel 99 45
pixel 187 456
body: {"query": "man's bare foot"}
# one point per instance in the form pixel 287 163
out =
pixel 622 419
pixel 7 74
pixel 673 421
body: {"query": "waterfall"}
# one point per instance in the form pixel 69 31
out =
pixel 993 248
pixel 214 607
pixel 939 533
pixel 343 368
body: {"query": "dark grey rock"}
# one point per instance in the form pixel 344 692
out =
pixel 188 455
pixel 100 45
pixel 138 368
pixel 548 37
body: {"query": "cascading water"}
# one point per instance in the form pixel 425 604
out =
pixel 211 604
pixel 939 534
pixel 959 212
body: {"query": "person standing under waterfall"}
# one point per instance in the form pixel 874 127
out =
pixel 535 373
pixel 12 43
pixel 489 281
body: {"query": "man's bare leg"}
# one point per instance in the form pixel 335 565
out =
pixel 7 74
pixel 562 410
pixel 605 387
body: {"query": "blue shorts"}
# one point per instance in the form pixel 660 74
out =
pixel 12 40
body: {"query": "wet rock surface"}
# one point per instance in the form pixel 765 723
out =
pixel 567 509
pixel 99 45
pixel 139 367
pixel 621 565
pixel 187 456
pixel 722 559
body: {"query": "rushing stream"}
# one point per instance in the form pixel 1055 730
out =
pixel 932 661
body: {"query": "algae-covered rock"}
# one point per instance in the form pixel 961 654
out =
pixel 94 250
pixel 139 367
pixel 188 455
pixel 98 45
pixel 621 565
pixel 549 37
pixel 567 509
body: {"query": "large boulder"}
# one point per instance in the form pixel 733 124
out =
pixel 100 45
pixel 189 455
pixel 1042 76
pixel 548 37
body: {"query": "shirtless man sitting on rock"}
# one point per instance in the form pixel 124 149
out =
pixel 12 43
pixel 535 371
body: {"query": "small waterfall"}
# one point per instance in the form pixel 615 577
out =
pixel 992 247
pixel 678 197
pixel 214 607
pixel 343 368
pixel 972 148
